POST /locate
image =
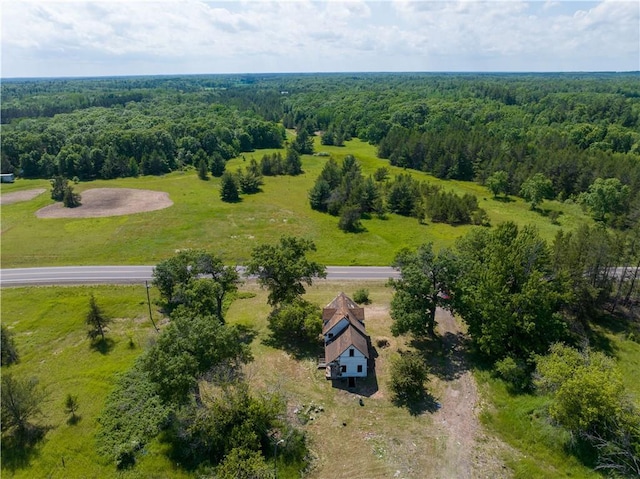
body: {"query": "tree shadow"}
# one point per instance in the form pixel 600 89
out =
pixel 246 333
pixel 74 419
pixel 103 346
pixel 445 355
pixel 366 387
pixel 416 405
pixel 582 450
pixel 297 348
pixel 18 450
pixel 503 199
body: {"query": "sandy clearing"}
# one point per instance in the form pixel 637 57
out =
pixel 18 196
pixel 102 202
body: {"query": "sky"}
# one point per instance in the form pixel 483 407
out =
pixel 52 38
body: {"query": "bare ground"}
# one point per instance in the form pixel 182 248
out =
pixel 469 452
pixel 18 196
pixel 380 441
pixel 102 202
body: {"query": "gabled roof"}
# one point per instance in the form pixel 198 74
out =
pixel 342 307
pixel 347 338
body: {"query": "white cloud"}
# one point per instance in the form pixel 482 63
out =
pixel 50 38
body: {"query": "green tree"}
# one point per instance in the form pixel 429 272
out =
pixel 590 400
pixel 241 463
pixel 303 142
pixel 292 162
pixel 229 188
pixel 59 185
pixel 350 219
pixel 71 407
pixel 506 293
pixel 190 347
pixel 202 169
pixel 535 189
pixel 218 164
pixel 319 195
pixel 606 198
pixel 498 183
pixel 409 373
pixel 250 181
pixel 295 322
pixel 232 419
pixel 96 319
pixel 424 284
pixel 282 268
pixel 587 388
pixel 71 199
pixel 196 279
pixel 21 403
pixel 8 350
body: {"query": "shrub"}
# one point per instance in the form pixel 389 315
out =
pixel 8 350
pixel 362 296
pixel 408 375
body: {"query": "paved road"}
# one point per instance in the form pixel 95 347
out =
pixel 138 274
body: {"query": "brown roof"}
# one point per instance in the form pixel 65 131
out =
pixel 354 335
pixel 348 337
pixel 342 307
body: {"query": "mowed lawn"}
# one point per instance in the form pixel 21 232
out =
pixel 199 219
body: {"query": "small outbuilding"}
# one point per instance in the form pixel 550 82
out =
pixel 346 344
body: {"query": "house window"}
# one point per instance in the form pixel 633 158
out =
pixel 343 369
pixel 330 335
pixel 351 353
pixel 359 368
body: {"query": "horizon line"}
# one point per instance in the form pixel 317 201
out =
pixel 363 72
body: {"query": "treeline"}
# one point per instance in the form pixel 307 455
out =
pixel 154 136
pixel 572 128
pixel 344 191
pixel 523 301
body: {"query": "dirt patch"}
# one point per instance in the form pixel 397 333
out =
pixel 18 196
pixel 102 202
pixel 468 451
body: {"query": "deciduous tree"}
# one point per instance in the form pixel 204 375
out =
pixel 21 403
pixel 425 282
pixel 197 279
pixel 498 183
pixel 535 189
pixel 283 268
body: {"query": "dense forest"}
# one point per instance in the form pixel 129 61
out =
pixel 571 128
pixel 533 309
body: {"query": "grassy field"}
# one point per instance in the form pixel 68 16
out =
pixel 199 218
pixel 348 440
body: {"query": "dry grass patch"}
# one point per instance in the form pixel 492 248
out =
pixel 102 202
pixel 18 196
pixel 376 439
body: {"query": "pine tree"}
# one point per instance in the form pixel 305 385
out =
pixel 229 188
pixel 96 319
pixel 202 170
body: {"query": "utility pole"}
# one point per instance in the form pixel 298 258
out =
pixel 146 283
